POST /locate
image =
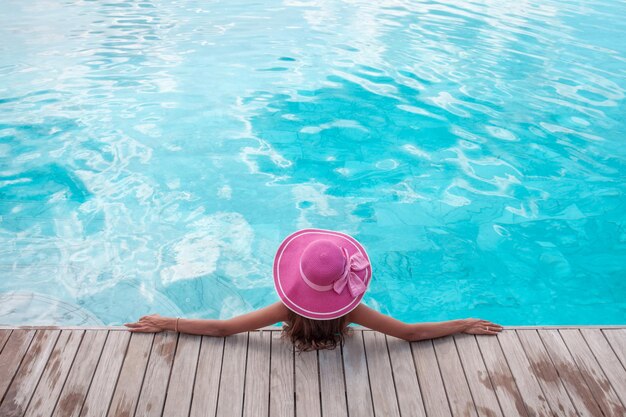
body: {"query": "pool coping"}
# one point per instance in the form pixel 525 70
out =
pixel 277 328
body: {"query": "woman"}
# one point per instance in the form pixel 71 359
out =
pixel 320 277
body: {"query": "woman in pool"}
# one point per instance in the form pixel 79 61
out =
pixel 320 277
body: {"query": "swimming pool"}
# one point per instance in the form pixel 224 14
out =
pixel 154 154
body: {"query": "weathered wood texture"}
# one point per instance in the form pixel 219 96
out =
pixel 106 372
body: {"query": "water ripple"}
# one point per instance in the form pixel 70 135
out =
pixel 153 154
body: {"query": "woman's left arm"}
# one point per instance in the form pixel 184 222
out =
pixel 266 316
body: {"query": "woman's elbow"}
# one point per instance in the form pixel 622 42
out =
pixel 220 329
pixel 413 335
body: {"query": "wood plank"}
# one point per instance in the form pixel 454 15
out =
pixel 592 374
pixel 610 364
pixel 12 356
pixel 26 379
pixel 107 372
pixel 58 367
pixel 256 392
pixel 381 378
pixel 81 373
pixel 131 375
pixel 307 385
pixel 526 381
pixel 4 336
pixel 407 386
pixel 599 385
pixel 230 398
pixel 355 369
pixel 617 340
pixel 152 396
pixel 433 391
pixel 332 385
pixel 483 392
pixel 510 400
pixel 110 328
pixel 459 395
pixel 208 373
pixel 573 326
pixel 282 388
pixel 576 374
pixel 577 381
pixel 178 399
pixel 546 373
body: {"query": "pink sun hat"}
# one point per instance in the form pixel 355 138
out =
pixel 321 274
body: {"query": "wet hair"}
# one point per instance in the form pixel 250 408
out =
pixel 307 334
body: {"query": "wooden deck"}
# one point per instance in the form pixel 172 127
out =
pixel 72 372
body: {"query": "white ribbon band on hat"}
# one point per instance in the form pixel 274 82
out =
pixel 349 278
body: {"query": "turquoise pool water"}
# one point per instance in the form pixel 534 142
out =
pixel 153 154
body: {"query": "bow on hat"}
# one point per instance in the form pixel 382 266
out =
pixel 349 278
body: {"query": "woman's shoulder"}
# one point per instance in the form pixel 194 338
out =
pixel 352 315
pixel 281 310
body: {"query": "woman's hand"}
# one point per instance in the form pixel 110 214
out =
pixel 148 324
pixel 477 326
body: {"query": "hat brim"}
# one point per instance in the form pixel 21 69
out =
pixel 296 294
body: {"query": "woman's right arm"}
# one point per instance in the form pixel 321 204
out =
pixel 372 319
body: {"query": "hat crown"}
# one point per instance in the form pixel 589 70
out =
pixel 322 262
